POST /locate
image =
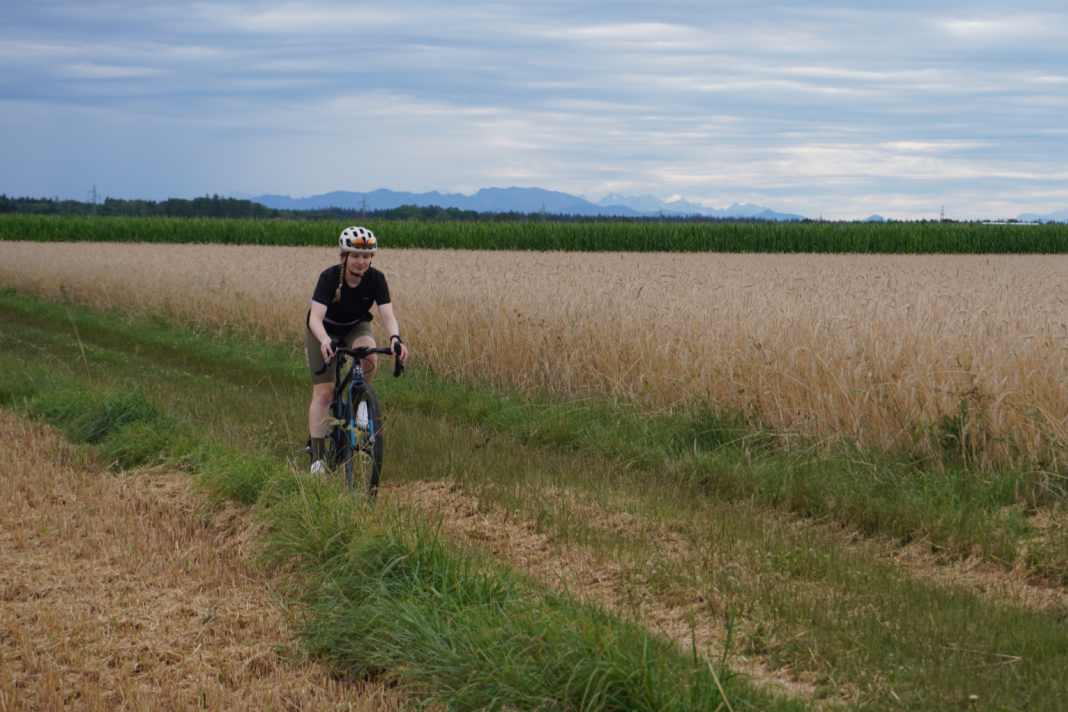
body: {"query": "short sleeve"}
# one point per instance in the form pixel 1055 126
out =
pixel 327 285
pixel 382 290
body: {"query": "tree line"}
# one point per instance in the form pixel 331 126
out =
pixel 213 206
pixel 216 206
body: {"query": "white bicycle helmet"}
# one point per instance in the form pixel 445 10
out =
pixel 357 239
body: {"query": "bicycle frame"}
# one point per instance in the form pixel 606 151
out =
pixel 350 442
pixel 348 387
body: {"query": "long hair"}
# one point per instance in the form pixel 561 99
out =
pixel 341 278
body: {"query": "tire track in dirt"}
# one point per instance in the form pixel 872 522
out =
pixel 575 570
pixel 127 592
pixel 516 540
pixel 1018 587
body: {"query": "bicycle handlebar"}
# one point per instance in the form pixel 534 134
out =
pixel 362 352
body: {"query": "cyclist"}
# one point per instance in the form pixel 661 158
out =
pixel 341 310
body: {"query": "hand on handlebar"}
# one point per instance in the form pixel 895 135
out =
pixel 326 348
pixel 400 350
pixel 331 349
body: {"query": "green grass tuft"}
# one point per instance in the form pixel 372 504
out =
pixel 242 478
pixel 137 443
pixel 89 417
pixel 389 598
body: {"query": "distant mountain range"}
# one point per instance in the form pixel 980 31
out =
pixel 539 200
pixel 651 205
pixel 520 200
pixel 1058 216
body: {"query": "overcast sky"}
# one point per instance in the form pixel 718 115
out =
pixel 839 109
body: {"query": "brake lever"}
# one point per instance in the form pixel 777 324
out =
pixel 398 367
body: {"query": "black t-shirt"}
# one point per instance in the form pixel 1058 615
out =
pixel 355 303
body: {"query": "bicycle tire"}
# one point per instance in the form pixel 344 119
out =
pixel 365 465
pixel 353 453
pixel 337 443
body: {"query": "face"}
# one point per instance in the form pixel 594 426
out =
pixel 357 263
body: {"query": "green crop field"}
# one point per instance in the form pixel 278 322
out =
pixel 592 236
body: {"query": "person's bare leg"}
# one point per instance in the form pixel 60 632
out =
pixel 318 416
pixel 319 409
pixel 369 364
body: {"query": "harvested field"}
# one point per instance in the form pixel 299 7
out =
pixel 958 358
pixel 125 593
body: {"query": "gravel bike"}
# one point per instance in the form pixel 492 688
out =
pixel 354 444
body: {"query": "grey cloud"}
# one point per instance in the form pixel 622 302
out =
pixel 829 104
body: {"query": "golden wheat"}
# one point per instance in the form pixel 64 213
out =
pixel 891 352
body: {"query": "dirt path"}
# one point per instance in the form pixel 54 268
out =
pixel 124 592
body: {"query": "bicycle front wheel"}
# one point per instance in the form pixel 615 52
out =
pixel 364 468
pixel 339 444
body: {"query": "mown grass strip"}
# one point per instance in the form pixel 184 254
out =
pixel 388 598
pixel 490 640
pixel 537 234
pixel 698 452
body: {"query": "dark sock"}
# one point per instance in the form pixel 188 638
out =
pixel 317 447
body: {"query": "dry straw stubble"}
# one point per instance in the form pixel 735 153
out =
pixel 122 592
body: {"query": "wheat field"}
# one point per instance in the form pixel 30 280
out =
pixel 947 356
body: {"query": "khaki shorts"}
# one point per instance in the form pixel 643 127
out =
pixel 313 356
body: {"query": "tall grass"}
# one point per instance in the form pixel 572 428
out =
pixel 537 234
